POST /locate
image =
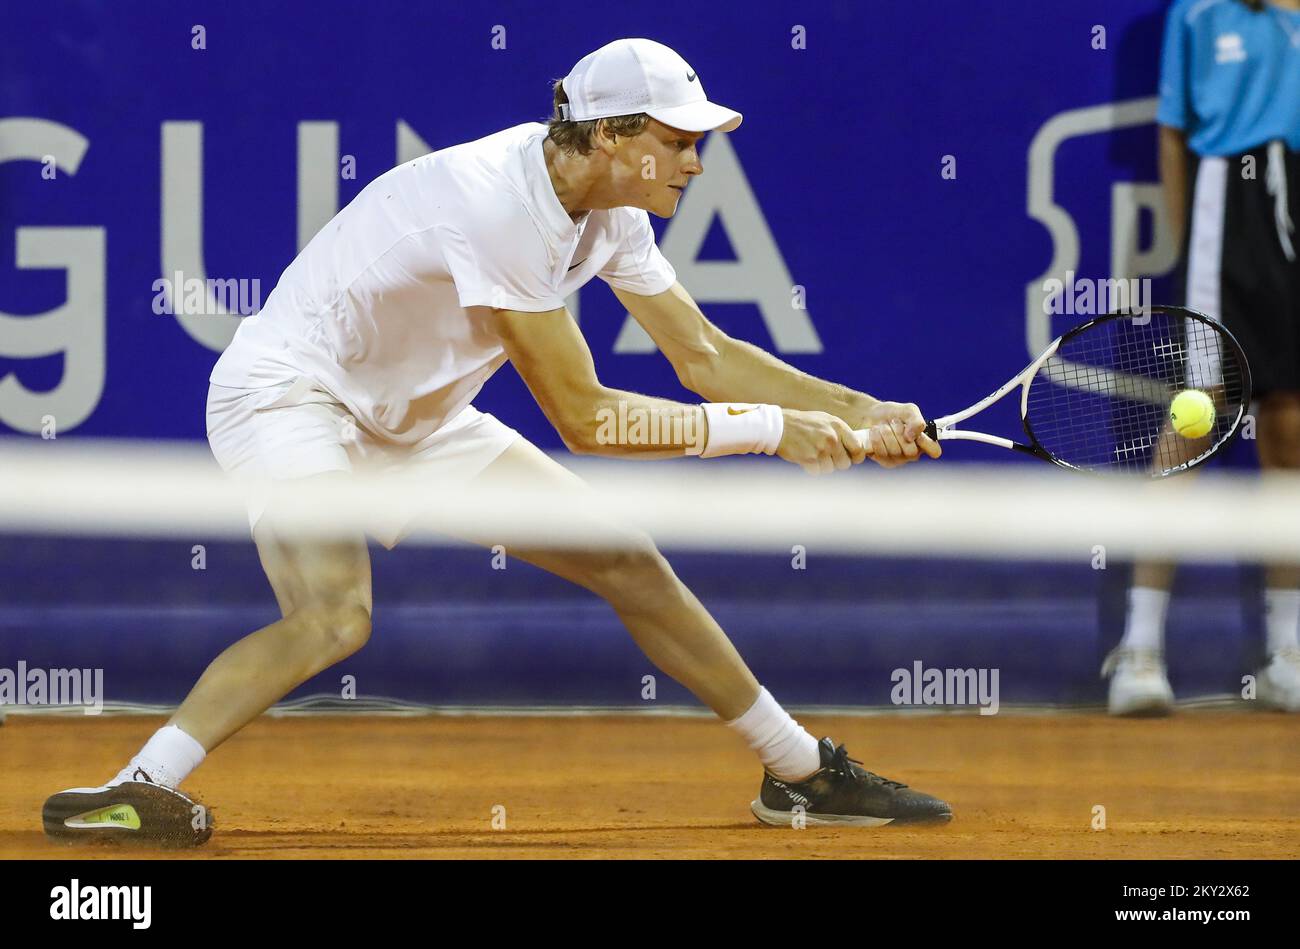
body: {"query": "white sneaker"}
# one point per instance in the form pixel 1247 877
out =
pixel 1278 683
pixel 1139 686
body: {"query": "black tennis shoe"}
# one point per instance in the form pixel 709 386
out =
pixel 843 794
pixel 136 811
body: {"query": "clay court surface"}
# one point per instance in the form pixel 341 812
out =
pixel 1202 784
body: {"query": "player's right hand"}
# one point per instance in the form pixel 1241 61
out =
pixel 819 442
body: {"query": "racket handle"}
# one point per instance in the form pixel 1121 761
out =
pixel 864 434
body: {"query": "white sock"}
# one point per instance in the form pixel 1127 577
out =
pixel 167 759
pixel 783 745
pixel 1145 626
pixel 1281 618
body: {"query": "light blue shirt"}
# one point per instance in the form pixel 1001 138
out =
pixel 1230 77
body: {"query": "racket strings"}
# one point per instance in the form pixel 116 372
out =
pixel 1101 402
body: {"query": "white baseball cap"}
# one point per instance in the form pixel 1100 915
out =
pixel 637 75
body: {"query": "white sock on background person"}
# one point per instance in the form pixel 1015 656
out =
pixel 1281 619
pixel 783 745
pixel 167 759
pixel 1144 627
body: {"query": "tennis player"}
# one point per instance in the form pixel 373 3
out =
pixel 1229 118
pixel 369 352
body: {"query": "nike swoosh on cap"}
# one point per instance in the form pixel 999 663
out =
pixel 690 77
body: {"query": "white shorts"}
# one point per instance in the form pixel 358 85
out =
pixel 296 430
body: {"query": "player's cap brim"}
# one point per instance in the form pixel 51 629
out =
pixel 698 117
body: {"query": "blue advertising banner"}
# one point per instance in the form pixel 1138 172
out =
pixel 909 186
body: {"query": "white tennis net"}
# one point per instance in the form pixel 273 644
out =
pixel 1017 511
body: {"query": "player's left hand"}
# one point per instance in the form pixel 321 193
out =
pixel 898 434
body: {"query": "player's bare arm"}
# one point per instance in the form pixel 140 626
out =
pixel 1173 176
pixel 722 368
pixel 552 357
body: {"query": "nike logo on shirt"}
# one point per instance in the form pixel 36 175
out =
pixel 578 264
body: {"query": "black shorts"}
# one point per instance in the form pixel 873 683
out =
pixel 1235 266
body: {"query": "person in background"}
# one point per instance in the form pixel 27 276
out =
pixel 1229 118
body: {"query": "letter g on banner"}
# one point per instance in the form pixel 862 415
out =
pixel 76 328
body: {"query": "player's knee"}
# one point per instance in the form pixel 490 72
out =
pixel 351 628
pixel 340 629
pixel 628 568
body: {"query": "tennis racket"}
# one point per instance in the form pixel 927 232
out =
pixel 1098 398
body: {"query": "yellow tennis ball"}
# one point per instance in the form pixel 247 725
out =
pixel 1192 413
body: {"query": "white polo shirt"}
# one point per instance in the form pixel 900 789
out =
pixel 378 306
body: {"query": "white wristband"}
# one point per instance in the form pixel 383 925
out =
pixel 739 428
